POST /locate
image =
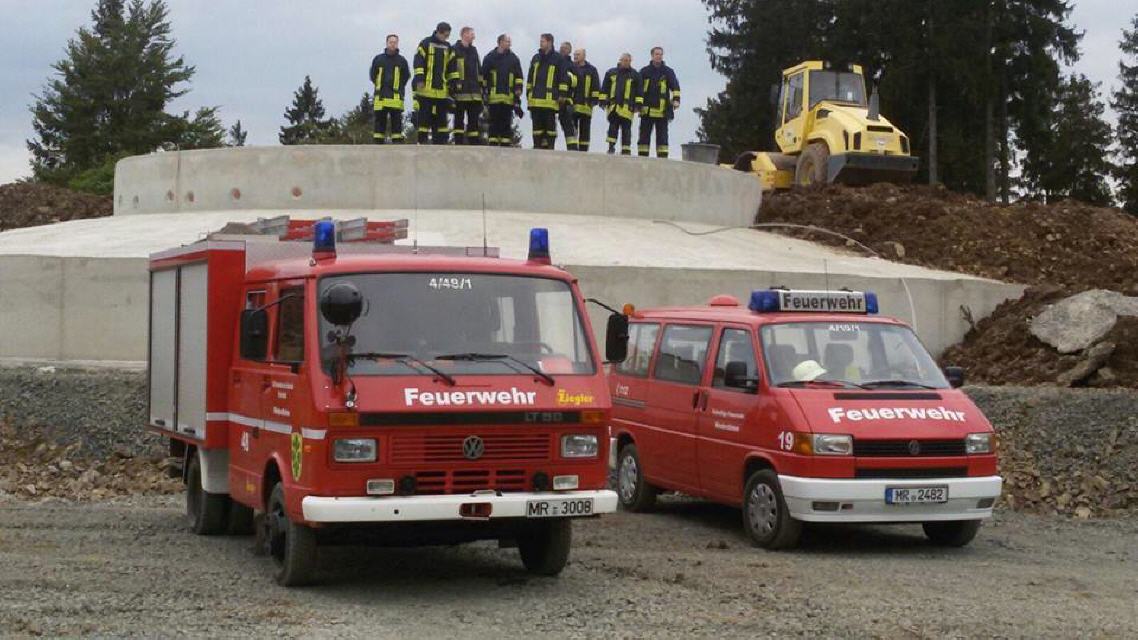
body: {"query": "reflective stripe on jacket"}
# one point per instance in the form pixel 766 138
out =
pixel 621 91
pixel 548 81
pixel 660 88
pixel 502 77
pixel 389 75
pixel 432 59
pixel 466 81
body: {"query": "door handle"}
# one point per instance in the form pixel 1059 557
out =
pixel 695 400
pixel 706 396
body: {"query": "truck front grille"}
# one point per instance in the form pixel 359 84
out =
pixel 432 448
pixel 469 481
pixel 906 448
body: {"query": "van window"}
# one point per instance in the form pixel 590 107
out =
pixel 290 326
pixel 734 346
pixel 682 354
pixel 641 342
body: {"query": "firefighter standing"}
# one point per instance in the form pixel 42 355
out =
pixel 466 89
pixel 585 96
pixel 547 89
pixel 503 81
pixel 389 75
pixel 620 96
pixel 432 61
pixel 661 93
pixel 565 112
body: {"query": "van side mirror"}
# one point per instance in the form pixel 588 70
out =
pixel 616 338
pixel 735 377
pixel 254 334
pixel 341 304
pixel 955 376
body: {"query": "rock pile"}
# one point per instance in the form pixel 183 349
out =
pixel 25 204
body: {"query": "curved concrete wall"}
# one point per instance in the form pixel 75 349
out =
pixel 428 177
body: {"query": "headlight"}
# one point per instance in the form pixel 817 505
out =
pixel 828 444
pixel 976 443
pixel 354 450
pixel 579 446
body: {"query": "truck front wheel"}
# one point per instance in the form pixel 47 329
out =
pixel 954 533
pixel 544 547
pixel 765 516
pixel 206 512
pixel 291 545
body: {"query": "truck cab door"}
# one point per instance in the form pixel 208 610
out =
pixel 285 401
pixel 791 133
pixel 248 382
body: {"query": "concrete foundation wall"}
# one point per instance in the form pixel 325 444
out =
pixel 413 177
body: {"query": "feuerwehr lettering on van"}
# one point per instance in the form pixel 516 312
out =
pixel 837 414
pixel 414 396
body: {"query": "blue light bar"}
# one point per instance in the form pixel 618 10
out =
pixel 871 302
pixel 764 301
pixel 539 245
pixel 324 237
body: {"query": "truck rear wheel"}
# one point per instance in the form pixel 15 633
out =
pixel 634 491
pixel 813 165
pixel 206 512
pixel 954 533
pixel 545 546
pixel 765 516
pixel 292 546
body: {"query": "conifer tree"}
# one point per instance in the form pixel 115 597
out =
pixel 1073 162
pixel 237 135
pixel 1125 103
pixel 306 117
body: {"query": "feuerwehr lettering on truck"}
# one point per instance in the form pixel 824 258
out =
pixel 837 414
pixel 414 396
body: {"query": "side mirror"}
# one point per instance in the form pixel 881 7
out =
pixel 254 334
pixel 616 338
pixel 735 376
pixel 775 88
pixel 341 304
pixel 955 376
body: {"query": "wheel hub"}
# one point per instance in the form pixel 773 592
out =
pixel 626 479
pixel 762 509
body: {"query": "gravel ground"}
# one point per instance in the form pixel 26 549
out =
pixel 130 567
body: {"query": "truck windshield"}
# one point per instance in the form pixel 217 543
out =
pixel 854 354
pixel 836 86
pixel 462 323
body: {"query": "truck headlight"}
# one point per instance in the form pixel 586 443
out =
pixel 976 443
pixel 830 444
pixel 354 450
pixel 579 445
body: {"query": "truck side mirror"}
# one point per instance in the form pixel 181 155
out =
pixel 955 376
pixel 735 377
pixel 254 334
pixel 616 338
pixel 341 304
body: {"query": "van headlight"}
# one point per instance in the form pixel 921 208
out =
pixel 579 445
pixel 977 443
pixel 354 450
pixel 831 444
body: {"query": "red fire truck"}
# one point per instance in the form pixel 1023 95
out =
pixel 804 407
pixel 400 395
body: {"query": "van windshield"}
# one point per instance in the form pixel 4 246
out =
pixel 836 86
pixel 852 354
pixel 462 323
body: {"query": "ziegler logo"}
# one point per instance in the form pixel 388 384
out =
pixel 574 399
pixel 514 396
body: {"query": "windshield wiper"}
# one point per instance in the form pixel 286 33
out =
pixel 500 357
pixel 895 383
pixel 838 383
pixel 406 359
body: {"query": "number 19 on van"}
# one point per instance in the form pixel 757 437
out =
pixel 786 440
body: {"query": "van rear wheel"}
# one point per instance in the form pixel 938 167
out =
pixel 292 546
pixel 765 516
pixel 634 491
pixel 544 547
pixel 955 533
pixel 206 512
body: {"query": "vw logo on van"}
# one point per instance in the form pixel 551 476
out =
pixel 473 448
pixel 914 448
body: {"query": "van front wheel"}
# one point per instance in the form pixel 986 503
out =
pixel 765 516
pixel 634 491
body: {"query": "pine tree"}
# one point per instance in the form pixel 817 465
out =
pixel 1074 162
pixel 237 135
pixel 355 126
pixel 1125 103
pixel 109 93
pixel 203 131
pixel 307 124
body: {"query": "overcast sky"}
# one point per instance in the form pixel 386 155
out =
pixel 252 54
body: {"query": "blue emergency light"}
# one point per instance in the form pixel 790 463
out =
pixel 764 301
pixel 870 302
pixel 539 245
pixel 324 237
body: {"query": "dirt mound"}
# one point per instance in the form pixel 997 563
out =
pixel 1067 244
pixel 25 204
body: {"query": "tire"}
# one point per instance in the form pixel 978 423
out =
pixel 813 165
pixel 545 547
pixel 635 493
pixel 765 516
pixel 954 533
pixel 240 519
pixel 207 512
pixel 292 546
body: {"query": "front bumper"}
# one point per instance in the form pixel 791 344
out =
pixel 865 168
pixel 438 508
pixel 864 500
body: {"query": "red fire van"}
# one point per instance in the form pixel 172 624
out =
pixel 804 407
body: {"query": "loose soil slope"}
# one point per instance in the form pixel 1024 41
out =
pixel 25 204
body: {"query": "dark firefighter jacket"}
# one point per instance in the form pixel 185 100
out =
pixel 548 81
pixel 466 83
pixel 502 77
pixel 389 74
pixel 432 60
pixel 621 91
pixel 587 93
pixel 660 88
